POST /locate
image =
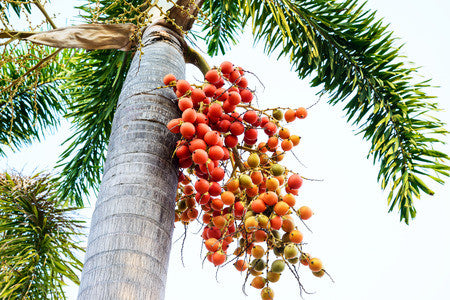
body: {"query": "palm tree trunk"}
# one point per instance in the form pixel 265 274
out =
pixel 131 231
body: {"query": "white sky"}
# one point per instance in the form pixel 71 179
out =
pixel 368 252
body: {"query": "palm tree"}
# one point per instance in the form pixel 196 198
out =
pixel 339 45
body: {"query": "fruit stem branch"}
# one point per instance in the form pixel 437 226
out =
pixel 191 56
pixel 238 160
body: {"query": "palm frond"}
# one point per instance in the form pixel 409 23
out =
pixel 353 56
pixel 93 86
pixel 31 100
pixel 38 239
pixel 222 26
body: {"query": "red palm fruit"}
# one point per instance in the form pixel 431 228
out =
pixel 295 181
pixel 228 107
pixel 214 232
pixel 188 190
pixel 201 129
pixel 219 83
pixel 289 115
pixel 215 153
pixel 239 209
pixel 174 125
pixel 256 177
pixel 258 282
pixel 219 221
pixel 198 95
pixel 207 167
pixel 202 198
pixel 281 208
pixel 288 224
pixel 185 103
pixel 227 198
pixel 235 76
pixel 270 198
pixel 216 204
pixel 201 186
pixel 286 145
pixel 212 76
pixel 206 218
pixel 246 96
pixel 169 78
pixel 212 244
pixel 275 222
pixel 237 128
pixel 212 138
pixel 226 154
pixel 295 236
pixel 226 67
pixel 218 258
pixel 250 117
pixel 217 174
pixel 289 199
pixel 215 110
pixel 305 258
pixel 234 98
pixel 270 128
pixel 182 152
pixel 262 147
pixel 221 95
pixel 183 86
pixel 199 156
pixel 272 143
pixel 258 206
pixel 295 139
pixel 264 121
pixel 260 236
pixel 192 213
pixel 187 130
pixel 280 179
pixel 201 119
pixel 209 90
pixel 284 133
pixel 189 115
pixel 197 144
pixel 215 189
pixel 241 71
pixel 252 191
pixel 301 113
pixel 251 134
pixel 185 162
pixel 231 141
pixel 232 185
pixel 224 125
pixel 305 212
pixel 243 83
pixel 241 265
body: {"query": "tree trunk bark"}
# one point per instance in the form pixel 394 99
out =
pixel 131 231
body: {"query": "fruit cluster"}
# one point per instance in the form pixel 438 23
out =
pixel 243 191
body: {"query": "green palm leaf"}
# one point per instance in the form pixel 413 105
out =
pixel 38 239
pixel 94 85
pixel 353 57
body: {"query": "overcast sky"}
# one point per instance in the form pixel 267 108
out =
pixel 368 252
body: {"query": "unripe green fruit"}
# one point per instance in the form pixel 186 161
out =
pixel 277 114
pixel 245 181
pixel 258 264
pixel 273 277
pixel 253 160
pixel 278 251
pixel 277 170
pixel 286 238
pixel 263 220
pixel 276 234
pixel 319 273
pixel 290 251
pixel 182 205
pixel 278 266
pixel 293 260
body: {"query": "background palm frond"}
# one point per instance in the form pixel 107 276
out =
pixel 38 239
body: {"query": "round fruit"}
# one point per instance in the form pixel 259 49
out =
pixel 227 198
pixel 253 160
pixel 305 212
pixel 289 115
pixel 241 265
pixel 278 266
pixel 301 113
pixel 295 181
pixel 245 181
pixel 290 251
pixel 258 282
pixel 267 293
pixel 169 79
pixel 258 264
pixel 257 251
pixel 315 264
pixel 212 76
pixel 277 170
pixel 273 277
